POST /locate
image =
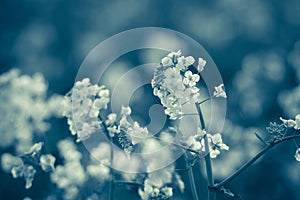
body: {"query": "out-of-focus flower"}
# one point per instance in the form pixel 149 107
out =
pixel 288 101
pixel 19 168
pixel 82 107
pixel 8 161
pixel 156 185
pixel 26 171
pixel 64 176
pixel 201 64
pixel 35 149
pixel 24 102
pixel 125 110
pixel 111 119
pixel 47 162
pixel 297 154
pixel 99 171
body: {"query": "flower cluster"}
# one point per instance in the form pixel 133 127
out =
pixel 26 108
pixel 175 84
pixel 82 107
pixel 64 176
pixel 156 184
pixel 289 123
pixel 133 130
pixel 27 165
pixel 215 143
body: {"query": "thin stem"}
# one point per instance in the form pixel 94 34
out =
pixel 189 114
pixel 252 160
pixel 209 172
pixel 203 101
pixel 112 183
pixel 191 180
pixel 294 140
pixel 119 182
pixel 179 146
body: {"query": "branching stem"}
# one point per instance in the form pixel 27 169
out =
pixel 252 160
pixel 209 172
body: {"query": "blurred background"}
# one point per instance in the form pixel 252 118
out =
pixel 255 44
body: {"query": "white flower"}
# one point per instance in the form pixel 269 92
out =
pixel 201 132
pixel 175 54
pixel 180 183
pixel 166 61
pixel 154 184
pixel 174 113
pixel 8 161
pixel 111 119
pixel 297 122
pixel 99 104
pixel 113 130
pixel 36 148
pixel 190 78
pixel 297 154
pixel 168 191
pixel 214 153
pixel 217 140
pixel 180 63
pixel 189 61
pixel 172 78
pixel 99 171
pixel 47 162
pixel 173 89
pixel 125 110
pixel 191 95
pixel 137 133
pixel 84 103
pixel 28 174
pixel 201 64
pixel 24 101
pixel 83 83
pixel 220 92
pixel 103 93
pixel 289 123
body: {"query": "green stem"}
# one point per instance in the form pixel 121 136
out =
pixel 191 180
pixel 252 160
pixel 209 172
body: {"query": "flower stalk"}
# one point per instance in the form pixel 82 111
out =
pixel 252 160
pixel 191 179
pixel 209 172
